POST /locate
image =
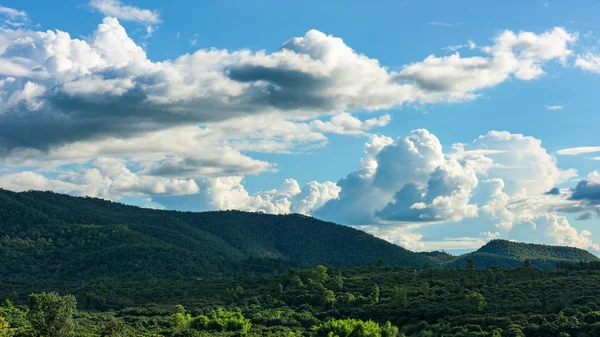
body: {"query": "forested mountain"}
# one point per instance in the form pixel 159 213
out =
pixel 59 239
pixel 50 236
pixel 509 254
pixel 128 268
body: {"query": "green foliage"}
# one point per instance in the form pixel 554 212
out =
pixel 476 302
pixel 115 328
pixel 400 298
pixel 319 274
pixel 51 315
pixel 354 328
pixel 47 237
pixel 245 273
pixel 375 294
pixel 221 320
pixel 336 283
pixel 5 330
pixel 328 298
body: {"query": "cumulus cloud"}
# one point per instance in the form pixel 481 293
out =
pixel 126 13
pixel 412 180
pixel 520 55
pixel 588 189
pixel 107 87
pixel 552 229
pixel 106 178
pixel 409 239
pixel 229 193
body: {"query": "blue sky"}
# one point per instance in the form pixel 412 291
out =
pixel 347 111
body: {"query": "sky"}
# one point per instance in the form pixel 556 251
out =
pixel 433 125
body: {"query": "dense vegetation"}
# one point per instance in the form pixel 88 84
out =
pixel 363 301
pixel 55 237
pixel 88 267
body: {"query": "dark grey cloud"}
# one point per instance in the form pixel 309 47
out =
pixel 588 191
pixel 584 216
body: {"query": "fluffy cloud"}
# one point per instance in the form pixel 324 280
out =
pixel 345 123
pixel 107 87
pixel 412 180
pixel 588 189
pixel 123 12
pixel 229 193
pixel 554 107
pixel 520 55
pixel 588 62
pixel 407 238
pixel 552 229
pixel 106 178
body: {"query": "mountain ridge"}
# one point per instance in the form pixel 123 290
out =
pixel 86 238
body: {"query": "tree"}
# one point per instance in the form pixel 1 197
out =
pixel 336 283
pixel 319 274
pixel 328 298
pixel 375 294
pixel 296 282
pixel 476 302
pixel 115 328
pixel 400 298
pixel 51 315
pixel 527 264
pixel 5 330
pixel 426 265
pixel 470 265
pixel 379 262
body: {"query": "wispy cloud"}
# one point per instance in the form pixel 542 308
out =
pixel 470 44
pixel 12 13
pixel 124 12
pixel 554 107
pixel 578 150
pixel 13 17
pixel 194 40
pixel 444 24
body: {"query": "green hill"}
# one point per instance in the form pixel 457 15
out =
pixel 509 254
pixel 58 238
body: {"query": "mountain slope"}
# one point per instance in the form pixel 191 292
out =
pixel 55 237
pixel 509 254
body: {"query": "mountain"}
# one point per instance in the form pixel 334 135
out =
pixel 57 238
pixel 509 254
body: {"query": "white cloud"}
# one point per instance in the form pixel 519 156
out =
pixel 458 78
pixel 553 107
pixel 578 150
pixel 588 62
pixel 229 193
pixel 444 24
pixel 412 180
pixel 552 229
pixel 345 123
pixel 107 178
pixel 409 239
pixel 124 12
pixel 308 77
